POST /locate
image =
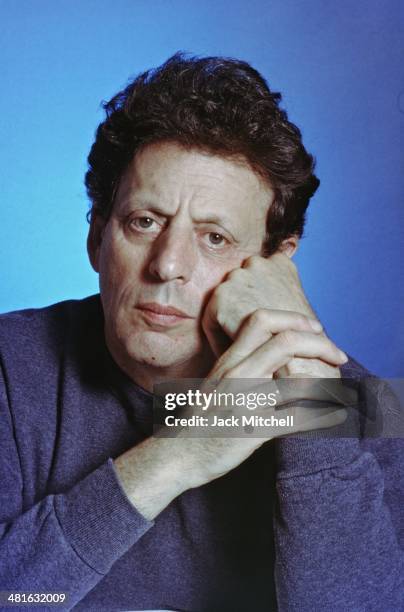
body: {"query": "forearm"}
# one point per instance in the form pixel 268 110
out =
pixel 68 542
pixel 336 543
pixel 153 473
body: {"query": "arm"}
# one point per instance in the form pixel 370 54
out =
pixel 69 541
pixel 336 537
pixel 66 542
pixel 339 523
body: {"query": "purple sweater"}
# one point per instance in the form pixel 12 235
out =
pixel 302 525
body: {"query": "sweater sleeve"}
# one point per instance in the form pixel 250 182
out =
pixel 65 543
pixel 339 525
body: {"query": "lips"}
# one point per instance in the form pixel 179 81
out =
pixel 163 310
pixel 162 315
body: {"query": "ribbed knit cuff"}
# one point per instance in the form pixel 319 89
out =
pixel 300 456
pixel 98 520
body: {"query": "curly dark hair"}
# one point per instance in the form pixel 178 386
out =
pixel 216 104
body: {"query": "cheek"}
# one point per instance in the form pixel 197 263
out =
pixel 120 270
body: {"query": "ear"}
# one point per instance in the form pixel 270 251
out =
pixel 94 239
pixel 289 246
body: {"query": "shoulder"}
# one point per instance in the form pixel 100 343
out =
pixel 33 341
pixel 33 328
pixel 33 319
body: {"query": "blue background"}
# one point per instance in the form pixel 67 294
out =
pixel 339 66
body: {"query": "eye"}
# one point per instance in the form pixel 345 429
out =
pixel 216 239
pixel 143 222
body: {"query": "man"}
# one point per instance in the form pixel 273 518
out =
pixel 199 186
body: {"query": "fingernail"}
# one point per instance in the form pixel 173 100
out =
pixel 316 325
pixel 343 356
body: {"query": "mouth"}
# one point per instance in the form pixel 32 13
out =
pixel 162 315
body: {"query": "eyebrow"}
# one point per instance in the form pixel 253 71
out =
pixel 135 203
pixel 131 204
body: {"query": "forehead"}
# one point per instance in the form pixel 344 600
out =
pixel 168 176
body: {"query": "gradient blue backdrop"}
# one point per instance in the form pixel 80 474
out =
pixel 339 65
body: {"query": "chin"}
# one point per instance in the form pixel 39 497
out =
pixel 159 350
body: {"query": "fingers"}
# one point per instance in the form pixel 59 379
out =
pixel 301 419
pixel 330 390
pixel 224 317
pixel 258 329
pixel 309 419
pixel 262 324
pixel 279 350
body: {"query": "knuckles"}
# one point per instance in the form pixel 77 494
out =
pixel 238 274
pixel 263 317
pixel 277 262
pixel 255 262
pixel 259 317
pixel 288 339
pixel 226 290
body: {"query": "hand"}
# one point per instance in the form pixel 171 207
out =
pixel 271 284
pixel 159 469
pixel 265 343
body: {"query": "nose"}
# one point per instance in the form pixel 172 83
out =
pixel 173 256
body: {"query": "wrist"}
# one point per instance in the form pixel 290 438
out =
pixel 151 475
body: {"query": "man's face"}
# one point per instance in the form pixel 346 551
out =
pixel 181 220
